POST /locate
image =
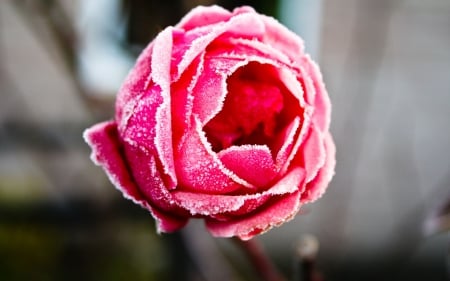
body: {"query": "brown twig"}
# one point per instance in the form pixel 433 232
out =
pixel 259 259
pixel 306 253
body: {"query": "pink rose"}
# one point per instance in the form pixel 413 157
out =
pixel 224 118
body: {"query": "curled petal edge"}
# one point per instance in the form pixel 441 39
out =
pixel 279 212
pixel 106 152
pixel 316 188
pixel 211 205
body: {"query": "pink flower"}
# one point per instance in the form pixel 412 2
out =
pixel 224 118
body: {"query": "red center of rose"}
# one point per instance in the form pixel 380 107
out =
pixel 251 111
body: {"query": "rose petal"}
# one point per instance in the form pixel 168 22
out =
pixel 166 222
pixel 312 154
pixel 308 87
pixel 315 188
pixel 289 80
pixel 149 124
pixel 285 142
pixel 201 15
pixel 106 152
pixel 236 205
pixel 253 163
pixel 133 87
pixel 146 172
pixel 305 124
pixel 230 47
pixel 243 9
pixel 148 177
pixel 182 100
pixel 279 211
pixel 161 57
pixel 211 88
pixel 146 118
pixel 281 38
pixel 322 104
pixel 182 42
pixel 142 127
pixel 199 169
pixel 243 25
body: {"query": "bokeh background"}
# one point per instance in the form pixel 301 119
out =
pixel 385 216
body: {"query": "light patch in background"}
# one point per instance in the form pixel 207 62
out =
pixel 102 63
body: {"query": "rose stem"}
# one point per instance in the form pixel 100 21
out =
pixel 259 259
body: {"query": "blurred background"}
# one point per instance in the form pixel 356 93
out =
pixel 385 216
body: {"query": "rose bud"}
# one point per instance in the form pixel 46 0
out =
pixel 223 118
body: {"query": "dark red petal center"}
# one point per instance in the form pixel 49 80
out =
pixel 251 111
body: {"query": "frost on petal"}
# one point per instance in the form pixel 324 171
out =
pixel 322 104
pixel 142 129
pixel 229 47
pixel 148 176
pixel 150 181
pixel 281 38
pixel 253 163
pixel 148 124
pixel 182 42
pixel 312 154
pixel 247 25
pixel 225 207
pixel 161 57
pixel 315 188
pixel 134 86
pixel 207 204
pixel 292 182
pixel 201 16
pixel 199 169
pixel 284 142
pixel 182 100
pixel 161 76
pixel 211 88
pixel 243 9
pixel 107 151
pixel 275 213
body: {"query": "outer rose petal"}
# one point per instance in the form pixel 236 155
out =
pixel 202 15
pixel 107 152
pixel 312 153
pixel 247 25
pixel 315 189
pixel 143 108
pixel 226 207
pixel 282 39
pixel 146 173
pixel 280 211
pixel 134 85
pixel 227 46
pixel 161 57
pixel 322 104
